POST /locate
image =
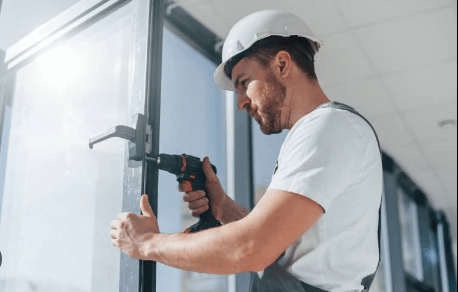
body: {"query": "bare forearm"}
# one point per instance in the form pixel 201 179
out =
pixel 220 250
pixel 232 211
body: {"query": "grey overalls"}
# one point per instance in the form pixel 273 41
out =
pixel 276 278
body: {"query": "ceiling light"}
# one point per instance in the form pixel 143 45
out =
pixel 448 122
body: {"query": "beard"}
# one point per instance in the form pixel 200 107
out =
pixel 270 110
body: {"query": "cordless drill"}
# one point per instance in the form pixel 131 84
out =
pixel 188 169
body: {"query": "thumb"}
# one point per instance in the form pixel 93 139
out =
pixel 207 168
pixel 146 207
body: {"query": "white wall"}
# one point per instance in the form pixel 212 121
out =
pixel 20 17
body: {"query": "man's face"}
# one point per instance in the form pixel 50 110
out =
pixel 260 94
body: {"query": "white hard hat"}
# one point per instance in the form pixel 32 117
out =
pixel 255 27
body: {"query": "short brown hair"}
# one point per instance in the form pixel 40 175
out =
pixel 300 49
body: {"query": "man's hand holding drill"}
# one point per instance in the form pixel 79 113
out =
pixel 224 208
pixel 197 201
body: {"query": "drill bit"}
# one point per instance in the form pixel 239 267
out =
pixel 152 159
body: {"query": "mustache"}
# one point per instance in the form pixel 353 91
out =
pixel 251 111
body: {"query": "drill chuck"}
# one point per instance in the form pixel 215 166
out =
pixel 175 164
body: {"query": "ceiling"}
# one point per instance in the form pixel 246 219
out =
pixel 394 61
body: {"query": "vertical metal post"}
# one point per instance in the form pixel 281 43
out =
pixel 394 233
pixel 447 267
pixel 429 252
pixel 150 181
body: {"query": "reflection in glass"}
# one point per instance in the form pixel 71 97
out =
pixel 59 196
pixel 410 234
pixel 192 122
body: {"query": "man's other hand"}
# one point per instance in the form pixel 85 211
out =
pixel 130 232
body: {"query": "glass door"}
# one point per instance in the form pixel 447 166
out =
pixel 84 75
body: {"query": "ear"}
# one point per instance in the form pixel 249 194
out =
pixel 283 64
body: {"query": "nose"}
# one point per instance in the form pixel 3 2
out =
pixel 243 102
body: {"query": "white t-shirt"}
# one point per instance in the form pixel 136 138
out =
pixel 331 156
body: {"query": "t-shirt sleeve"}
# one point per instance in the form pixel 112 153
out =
pixel 321 158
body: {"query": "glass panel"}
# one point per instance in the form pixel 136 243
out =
pixel 59 196
pixel 265 154
pixel 410 235
pixel 192 122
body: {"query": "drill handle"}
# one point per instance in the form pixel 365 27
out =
pixel 207 219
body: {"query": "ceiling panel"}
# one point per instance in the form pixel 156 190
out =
pixel 448 177
pixel 341 61
pixel 425 123
pixel 362 12
pixel 208 16
pixel 441 153
pixel 392 132
pixel 450 213
pixel 430 85
pixel 321 16
pixel 411 42
pixel 368 96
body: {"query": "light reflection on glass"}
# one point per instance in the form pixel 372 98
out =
pixel 60 69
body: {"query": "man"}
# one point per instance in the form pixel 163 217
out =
pixel 315 228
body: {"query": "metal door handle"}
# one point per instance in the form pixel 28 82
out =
pixel 135 136
pixel 123 132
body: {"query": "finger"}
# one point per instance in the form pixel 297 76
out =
pixel 146 207
pixel 113 234
pixel 193 196
pixel 195 205
pixel 199 211
pixel 183 187
pixel 114 224
pixel 207 168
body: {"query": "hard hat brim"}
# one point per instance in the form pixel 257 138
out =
pixel 222 80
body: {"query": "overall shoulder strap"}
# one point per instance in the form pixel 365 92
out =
pixel 342 106
pixel 367 281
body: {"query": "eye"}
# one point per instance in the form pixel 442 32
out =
pixel 244 84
